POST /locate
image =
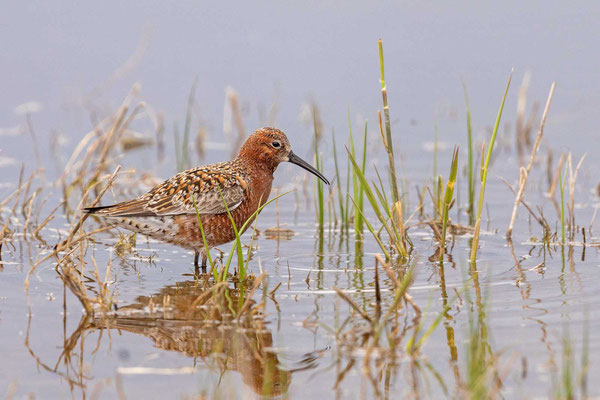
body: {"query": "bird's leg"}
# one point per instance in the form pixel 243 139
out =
pixel 204 258
pixel 196 268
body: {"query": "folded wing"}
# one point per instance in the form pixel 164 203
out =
pixel 211 187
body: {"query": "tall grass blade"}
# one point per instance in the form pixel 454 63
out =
pixel 484 173
pixel 470 160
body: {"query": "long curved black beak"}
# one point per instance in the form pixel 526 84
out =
pixel 294 159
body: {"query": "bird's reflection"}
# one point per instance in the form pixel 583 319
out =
pixel 214 324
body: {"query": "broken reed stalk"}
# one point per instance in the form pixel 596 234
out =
pixel 525 172
pixel 389 148
pixel 484 172
pixel 448 197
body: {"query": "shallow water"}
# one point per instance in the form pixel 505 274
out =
pixel 532 301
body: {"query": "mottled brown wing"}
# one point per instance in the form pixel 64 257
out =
pixel 211 187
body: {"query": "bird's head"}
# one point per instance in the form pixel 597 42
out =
pixel 270 147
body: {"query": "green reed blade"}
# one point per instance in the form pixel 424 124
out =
pixel 448 196
pixel 484 173
pixel 388 130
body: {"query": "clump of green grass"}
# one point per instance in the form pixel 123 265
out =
pixel 351 214
pixel 358 198
pixel 390 216
pixel 388 212
pixel 485 163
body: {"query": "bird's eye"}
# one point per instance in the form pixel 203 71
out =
pixel 276 145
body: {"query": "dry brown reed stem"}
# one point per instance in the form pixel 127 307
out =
pixel 377 293
pixel 110 139
pixel 101 147
pixel 74 281
pixel 95 133
pixel 69 241
pixel 49 218
pixel 30 208
pixel 84 216
pixel 400 222
pixel 524 173
pixel 272 292
pixel 561 161
pixel 539 219
pixel 352 304
pixel 390 273
pixel 103 298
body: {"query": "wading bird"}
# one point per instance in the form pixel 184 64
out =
pixel 167 213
